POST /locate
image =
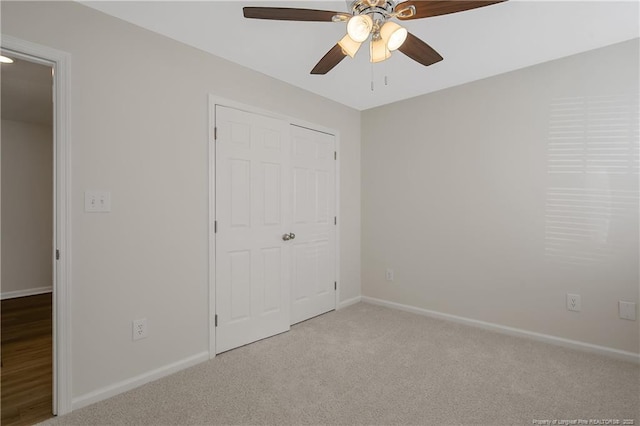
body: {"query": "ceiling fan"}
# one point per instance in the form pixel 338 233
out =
pixel 372 19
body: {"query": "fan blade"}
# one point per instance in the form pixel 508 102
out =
pixel 289 14
pixel 428 8
pixel 419 51
pixel 330 60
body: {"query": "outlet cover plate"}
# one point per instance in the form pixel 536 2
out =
pixel 627 310
pixel 573 302
pixel 97 201
pixel 139 329
pixel 390 274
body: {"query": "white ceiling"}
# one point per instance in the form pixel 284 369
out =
pixel 475 44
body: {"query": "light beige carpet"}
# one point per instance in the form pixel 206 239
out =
pixel 372 365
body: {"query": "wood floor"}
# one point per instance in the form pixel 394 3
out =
pixel 26 377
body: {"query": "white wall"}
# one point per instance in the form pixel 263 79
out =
pixel 494 199
pixel 139 129
pixel 27 208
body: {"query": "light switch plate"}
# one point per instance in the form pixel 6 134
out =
pixel 97 201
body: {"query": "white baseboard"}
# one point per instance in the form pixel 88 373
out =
pixel 574 344
pixel 134 382
pixel 349 302
pixel 27 292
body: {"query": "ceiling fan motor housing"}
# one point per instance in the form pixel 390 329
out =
pixel 383 8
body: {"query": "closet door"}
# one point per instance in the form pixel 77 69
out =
pixel 313 257
pixel 253 212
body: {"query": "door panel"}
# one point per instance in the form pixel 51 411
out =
pixel 313 258
pixel 252 211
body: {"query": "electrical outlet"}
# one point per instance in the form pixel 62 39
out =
pixel 139 329
pixel 389 274
pixel 573 302
pixel 627 310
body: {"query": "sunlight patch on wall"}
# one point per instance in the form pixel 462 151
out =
pixel 593 166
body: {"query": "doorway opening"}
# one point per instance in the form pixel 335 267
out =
pixel 27 227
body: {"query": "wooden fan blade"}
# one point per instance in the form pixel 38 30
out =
pixel 289 14
pixel 428 8
pixel 329 60
pixel 419 51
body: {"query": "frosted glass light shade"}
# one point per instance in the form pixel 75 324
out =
pixel 5 60
pixel 359 27
pixel 379 51
pixel 393 35
pixel 349 46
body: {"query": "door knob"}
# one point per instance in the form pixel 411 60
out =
pixel 286 237
pixel 292 236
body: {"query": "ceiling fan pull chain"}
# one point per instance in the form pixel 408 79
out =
pixel 386 83
pixel 372 77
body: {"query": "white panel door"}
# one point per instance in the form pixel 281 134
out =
pixel 313 211
pixel 252 214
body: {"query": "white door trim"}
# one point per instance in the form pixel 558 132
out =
pixel 60 61
pixel 216 100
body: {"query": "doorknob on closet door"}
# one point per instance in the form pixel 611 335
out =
pixel 292 236
pixel 286 237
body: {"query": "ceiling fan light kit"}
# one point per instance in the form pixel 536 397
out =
pixel 359 27
pixel 393 35
pixel 379 51
pixel 349 46
pixel 371 20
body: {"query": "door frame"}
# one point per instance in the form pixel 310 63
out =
pixel 60 62
pixel 216 100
